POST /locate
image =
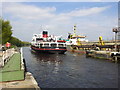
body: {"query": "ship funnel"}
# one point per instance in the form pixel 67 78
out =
pixel 45 34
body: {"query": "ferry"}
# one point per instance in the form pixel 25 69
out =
pixel 48 43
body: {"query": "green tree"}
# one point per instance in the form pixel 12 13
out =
pixel 6 34
pixel 15 41
pixel 6 31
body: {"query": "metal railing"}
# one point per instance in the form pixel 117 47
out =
pixel 5 56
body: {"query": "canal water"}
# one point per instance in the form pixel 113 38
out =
pixel 70 70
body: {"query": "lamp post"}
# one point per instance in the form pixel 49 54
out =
pixel 116 30
pixel 118 33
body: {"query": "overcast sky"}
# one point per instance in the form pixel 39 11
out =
pixel 93 19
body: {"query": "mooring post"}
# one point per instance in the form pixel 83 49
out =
pixel 115 59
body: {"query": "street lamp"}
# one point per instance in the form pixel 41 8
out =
pixel 116 30
pixel 119 34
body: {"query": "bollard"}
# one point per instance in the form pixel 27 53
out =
pixel 115 59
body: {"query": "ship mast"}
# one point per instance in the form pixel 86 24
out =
pixel 74 34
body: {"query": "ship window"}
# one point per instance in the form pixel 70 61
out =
pixel 41 45
pixel 65 45
pixel 36 45
pixel 38 39
pixel 60 45
pixel 46 45
pixel 53 45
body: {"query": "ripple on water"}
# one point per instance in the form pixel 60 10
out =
pixel 71 70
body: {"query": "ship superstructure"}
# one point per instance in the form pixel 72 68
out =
pixel 48 43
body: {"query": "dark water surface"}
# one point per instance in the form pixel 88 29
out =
pixel 70 70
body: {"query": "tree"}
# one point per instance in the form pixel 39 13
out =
pixel 6 34
pixel 6 31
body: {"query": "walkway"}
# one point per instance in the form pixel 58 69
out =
pixel 12 70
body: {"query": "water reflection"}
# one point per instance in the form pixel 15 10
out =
pixel 46 57
pixel 49 59
pixel 56 68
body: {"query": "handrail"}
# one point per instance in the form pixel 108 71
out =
pixel 6 56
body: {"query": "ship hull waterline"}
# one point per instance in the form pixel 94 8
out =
pixel 51 50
